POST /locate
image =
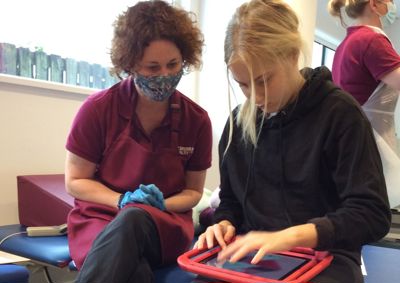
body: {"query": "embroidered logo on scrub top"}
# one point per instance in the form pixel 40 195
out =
pixel 185 150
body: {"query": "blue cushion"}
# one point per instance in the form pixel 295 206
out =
pixel 50 250
pixel 381 264
pixel 11 273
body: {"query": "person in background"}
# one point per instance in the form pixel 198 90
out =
pixel 366 56
pixel 137 153
pixel 299 164
pixel 368 67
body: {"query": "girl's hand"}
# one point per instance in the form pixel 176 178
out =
pixel 223 232
pixel 269 242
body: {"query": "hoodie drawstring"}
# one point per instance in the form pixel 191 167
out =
pixel 282 177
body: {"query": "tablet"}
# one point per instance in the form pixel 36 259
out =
pixel 273 266
pixel 295 266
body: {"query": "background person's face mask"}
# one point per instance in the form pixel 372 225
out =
pixel 158 88
pixel 390 17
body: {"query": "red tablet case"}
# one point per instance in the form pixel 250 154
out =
pixel 318 261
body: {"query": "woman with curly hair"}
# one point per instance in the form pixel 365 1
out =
pixel 138 152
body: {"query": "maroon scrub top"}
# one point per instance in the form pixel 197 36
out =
pixel 361 60
pixel 107 132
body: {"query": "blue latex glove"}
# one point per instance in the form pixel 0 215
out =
pixel 149 195
pixel 137 196
pixel 156 193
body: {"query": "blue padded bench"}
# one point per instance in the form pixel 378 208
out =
pixel 11 273
pixel 54 251
pixel 47 250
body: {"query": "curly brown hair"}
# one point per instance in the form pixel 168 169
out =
pixel 147 21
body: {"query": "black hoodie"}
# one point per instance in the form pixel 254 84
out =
pixel 316 161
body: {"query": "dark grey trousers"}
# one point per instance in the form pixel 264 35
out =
pixel 125 251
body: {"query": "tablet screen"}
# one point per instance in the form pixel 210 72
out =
pixel 272 266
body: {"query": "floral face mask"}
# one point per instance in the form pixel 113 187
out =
pixel 158 88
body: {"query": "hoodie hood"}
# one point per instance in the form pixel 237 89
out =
pixel 317 86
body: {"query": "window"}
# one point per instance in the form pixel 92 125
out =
pixel 322 55
pixel 48 37
pixel 328 57
pixel 317 55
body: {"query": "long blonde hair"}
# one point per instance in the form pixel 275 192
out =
pixel 260 31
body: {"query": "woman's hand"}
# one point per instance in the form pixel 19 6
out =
pixel 146 194
pixel 268 242
pixel 223 233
